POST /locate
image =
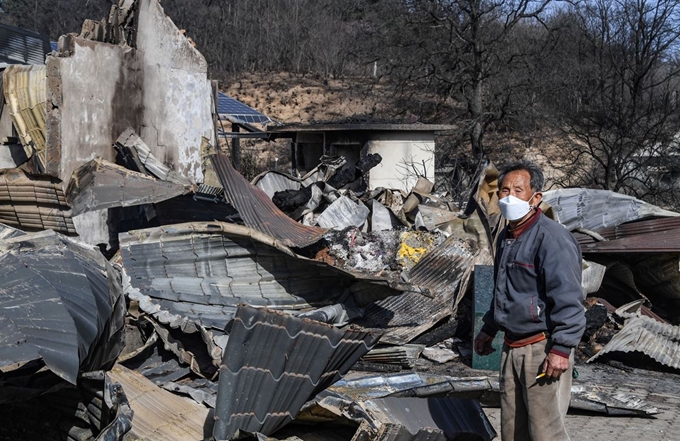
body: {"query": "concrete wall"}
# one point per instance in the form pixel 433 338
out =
pixel 177 93
pixel 160 88
pixel 92 96
pixel 398 151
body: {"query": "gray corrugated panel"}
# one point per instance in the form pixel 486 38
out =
pixel 429 418
pixel 21 46
pixel 34 203
pixel 100 184
pixel 405 316
pixel 659 341
pixel 59 302
pixel 197 273
pixel 596 209
pixel 258 211
pixel 272 181
pixel 274 363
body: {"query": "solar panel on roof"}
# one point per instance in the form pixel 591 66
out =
pixel 227 106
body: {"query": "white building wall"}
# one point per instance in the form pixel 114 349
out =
pixel 405 156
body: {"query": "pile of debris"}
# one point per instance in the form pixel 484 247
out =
pixel 143 269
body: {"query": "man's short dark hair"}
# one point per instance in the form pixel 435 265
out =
pixel 535 173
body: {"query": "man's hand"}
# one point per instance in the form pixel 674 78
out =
pixel 555 365
pixel 483 344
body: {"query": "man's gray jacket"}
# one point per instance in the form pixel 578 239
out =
pixel 538 285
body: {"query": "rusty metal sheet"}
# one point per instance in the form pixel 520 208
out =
pixel 442 272
pixel 25 93
pixel 274 363
pixel 258 211
pixel 659 341
pixel 657 242
pixel 34 202
pixel 60 303
pixel 100 184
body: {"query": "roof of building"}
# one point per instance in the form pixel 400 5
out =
pixel 340 127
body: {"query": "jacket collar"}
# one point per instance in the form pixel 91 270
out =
pixel 525 226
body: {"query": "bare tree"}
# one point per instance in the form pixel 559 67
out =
pixel 472 52
pixel 618 100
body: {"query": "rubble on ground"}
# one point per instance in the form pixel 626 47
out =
pixel 150 289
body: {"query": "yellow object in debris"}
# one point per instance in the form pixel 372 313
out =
pixel 411 253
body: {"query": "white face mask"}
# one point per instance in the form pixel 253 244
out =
pixel 514 208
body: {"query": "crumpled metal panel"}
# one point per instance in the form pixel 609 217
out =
pixel 34 203
pixel 193 275
pixel 596 209
pixel 597 399
pixel 659 341
pixel 441 419
pixel 274 363
pixel 100 184
pixel 130 143
pixel 25 93
pixel 413 384
pixel 258 211
pixel 343 213
pixel 61 303
pixel 442 271
pixel 272 181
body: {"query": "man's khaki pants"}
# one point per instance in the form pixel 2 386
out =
pixel 532 410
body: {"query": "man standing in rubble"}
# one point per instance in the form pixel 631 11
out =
pixel 538 303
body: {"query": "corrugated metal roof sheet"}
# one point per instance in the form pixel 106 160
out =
pixel 441 271
pixel 655 339
pixel 100 184
pixel 25 89
pixel 193 275
pixel 274 363
pixel 596 209
pixel 59 302
pixel 658 242
pixel 21 46
pixel 410 384
pixel 258 211
pixel 33 203
pixel 439 419
pixel 271 182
